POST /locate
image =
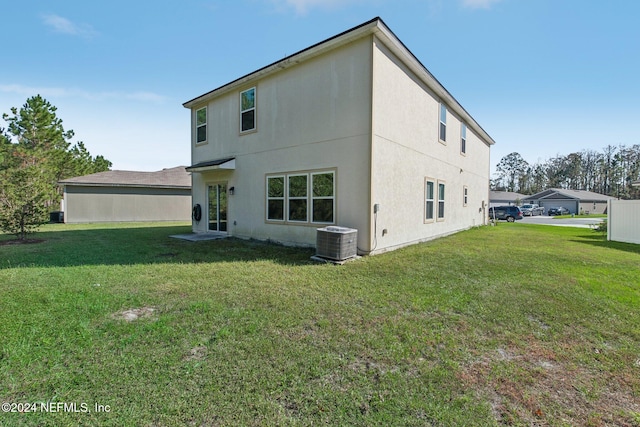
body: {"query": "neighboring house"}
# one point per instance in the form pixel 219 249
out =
pixel 576 201
pixel 353 131
pixel 116 196
pixel 508 198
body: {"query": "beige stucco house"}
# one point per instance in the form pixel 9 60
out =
pixel 353 131
pixel 576 201
pixel 119 196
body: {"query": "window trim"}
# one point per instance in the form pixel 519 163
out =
pixel 198 126
pixel 309 198
pixel 442 128
pixel 463 139
pixel 440 214
pixel 426 217
pixel 254 109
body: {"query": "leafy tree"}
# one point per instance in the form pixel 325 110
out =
pixel 23 197
pixel 81 163
pixel 36 153
pixel 5 147
pixel 41 139
pixel 610 172
pixel 511 168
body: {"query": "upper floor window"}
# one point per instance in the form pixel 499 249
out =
pixel 463 138
pixel 201 125
pixel 443 123
pixel 248 110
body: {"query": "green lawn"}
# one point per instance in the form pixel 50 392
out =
pixel 591 216
pixel 510 325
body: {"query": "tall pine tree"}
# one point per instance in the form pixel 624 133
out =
pixel 36 153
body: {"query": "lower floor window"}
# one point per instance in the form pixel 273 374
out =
pixel 275 198
pixel 429 200
pixel 440 200
pixel 301 197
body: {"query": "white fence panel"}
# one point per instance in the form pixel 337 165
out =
pixel 624 221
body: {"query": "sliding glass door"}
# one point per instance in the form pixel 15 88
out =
pixel 217 195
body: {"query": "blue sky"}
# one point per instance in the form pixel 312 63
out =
pixel 542 77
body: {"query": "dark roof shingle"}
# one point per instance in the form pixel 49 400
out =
pixel 176 177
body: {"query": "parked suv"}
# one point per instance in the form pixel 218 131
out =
pixel 531 210
pixel 559 211
pixel 508 213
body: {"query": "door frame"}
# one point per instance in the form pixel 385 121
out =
pixel 218 184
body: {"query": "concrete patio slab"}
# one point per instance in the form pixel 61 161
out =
pixel 200 237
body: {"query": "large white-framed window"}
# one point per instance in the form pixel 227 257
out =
pixel 248 110
pixel 441 200
pixel 429 196
pixel 463 138
pixel 275 198
pixel 201 125
pixel 298 197
pixel 443 123
pixel 302 197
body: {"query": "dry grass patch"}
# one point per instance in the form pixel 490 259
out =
pixel 133 314
pixel 538 386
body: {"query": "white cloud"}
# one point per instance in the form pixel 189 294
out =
pixel 29 91
pixel 479 4
pixel 65 26
pixel 302 7
pixel 32 91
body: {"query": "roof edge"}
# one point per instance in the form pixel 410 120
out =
pixel 115 184
pixel 290 60
pixel 376 27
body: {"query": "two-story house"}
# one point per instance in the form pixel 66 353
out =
pixel 353 131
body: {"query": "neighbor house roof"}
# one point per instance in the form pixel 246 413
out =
pixel 373 27
pixel 560 193
pixel 505 196
pixel 177 177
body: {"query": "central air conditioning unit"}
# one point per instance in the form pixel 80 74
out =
pixel 337 243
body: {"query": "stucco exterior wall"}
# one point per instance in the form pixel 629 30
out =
pixel 597 207
pixel 123 204
pixel 624 221
pixel 357 110
pixel 312 116
pixel 406 150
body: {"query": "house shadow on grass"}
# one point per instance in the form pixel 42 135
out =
pixel 600 240
pixel 140 245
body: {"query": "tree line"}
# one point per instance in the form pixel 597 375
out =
pixel 35 153
pixel 610 171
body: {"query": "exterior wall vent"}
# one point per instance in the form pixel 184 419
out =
pixel 337 243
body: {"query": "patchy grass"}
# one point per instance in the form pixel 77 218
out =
pixel 512 325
